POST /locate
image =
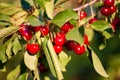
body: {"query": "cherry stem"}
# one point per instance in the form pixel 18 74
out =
pixel 83 6
pixel 91 9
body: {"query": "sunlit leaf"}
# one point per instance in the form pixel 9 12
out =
pixel 3 69
pixel 64 60
pixel 100 25
pixel 14 73
pixel 30 60
pixel 4 32
pixel 34 21
pixel 22 76
pixel 75 35
pixel 49 6
pixel 4 17
pixel 3 57
pixel 48 57
pixel 16 46
pixel 98 65
pixel 64 16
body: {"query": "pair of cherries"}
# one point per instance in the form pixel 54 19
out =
pixel 108 7
pixel 26 31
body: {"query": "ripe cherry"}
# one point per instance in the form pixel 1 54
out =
pixel 115 23
pixel 105 11
pixel 36 28
pixel 113 9
pixel 59 40
pixel 44 30
pixel 108 2
pixel 25 32
pixel 86 40
pixel 33 48
pixel 66 27
pixel 92 20
pixel 82 15
pixel 79 49
pixel 57 49
pixel 62 34
pixel 42 68
pixel 70 44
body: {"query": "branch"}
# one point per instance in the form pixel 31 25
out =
pixel 86 5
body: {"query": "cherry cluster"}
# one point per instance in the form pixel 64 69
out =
pixel 108 7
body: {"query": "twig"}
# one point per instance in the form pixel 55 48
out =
pixel 83 6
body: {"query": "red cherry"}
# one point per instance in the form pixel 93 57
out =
pixel 82 15
pixel 36 28
pixel 25 32
pixel 92 20
pixel 59 40
pixel 57 49
pixel 33 48
pixel 113 9
pixel 105 11
pixel 62 34
pixel 66 27
pixel 42 68
pixel 70 44
pixel 86 40
pixel 79 49
pixel 108 2
pixel 115 23
pixel 44 30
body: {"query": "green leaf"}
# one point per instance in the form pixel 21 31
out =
pixel 22 76
pixel 16 46
pixel 4 32
pixel 49 6
pixel 64 60
pixel 3 57
pixel 75 35
pixel 3 68
pixel 48 57
pixel 34 21
pixel 5 23
pixel 100 25
pixel 107 33
pixel 64 16
pixel 40 2
pixel 9 45
pixel 14 73
pixel 4 17
pixel 98 65
pixel 30 61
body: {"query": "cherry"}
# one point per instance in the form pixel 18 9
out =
pixel 33 48
pixel 105 11
pixel 42 68
pixel 82 15
pixel 108 2
pixel 113 9
pixel 57 49
pixel 36 28
pixel 92 20
pixel 79 49
pixel 86 40
pixel 62 34
pixel 59 40
pixel 66 27
pixel 115 23
pixel 25 32
pixel 44 30
pixel 70 44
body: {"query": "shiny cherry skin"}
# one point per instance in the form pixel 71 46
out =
pixel 113 9
pixel 66 27
pixel 108 2
pixel 79 50
pixel 62 34
pixel 70 44
pixel 105 11
pixel 57 48
pixel 33 48
pixel 92 20
pixel 86 41
pixel 59 40
pixel 82 15
pixel 25 32
pixel 42 68
pixel 44 30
